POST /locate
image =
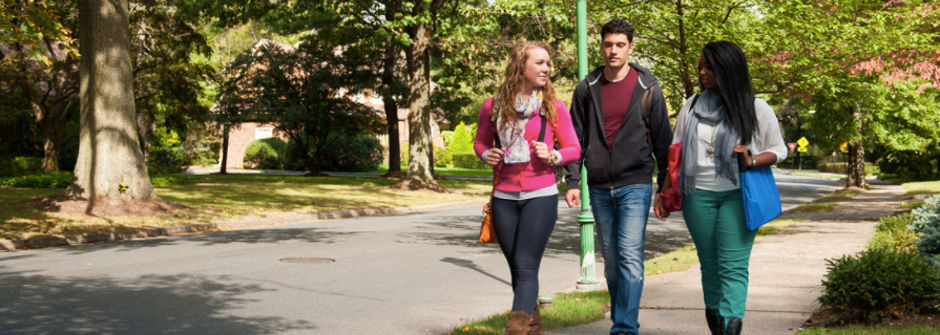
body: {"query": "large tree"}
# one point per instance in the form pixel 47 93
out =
pixel 308 92
pixel 851 60
pixel 110 163
pixel 39 62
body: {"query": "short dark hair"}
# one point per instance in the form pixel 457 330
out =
pixel 618 26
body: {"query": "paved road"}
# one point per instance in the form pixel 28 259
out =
pixel 415 273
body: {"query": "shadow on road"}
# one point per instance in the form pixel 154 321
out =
pixel 464 263
pixel 274 235
pixel 181 304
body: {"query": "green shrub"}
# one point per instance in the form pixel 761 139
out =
pixel 443 157
pixel 354 153
pixel 878 283
pixel 462 141
pixel 39 180
pixel 163 160
pixel 265 154
pixel 468 160
pixel 892 234
pixel 926 220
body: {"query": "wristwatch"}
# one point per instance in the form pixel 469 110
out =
pixel 555 159
pixel 753 161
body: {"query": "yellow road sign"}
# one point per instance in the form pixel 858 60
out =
pixel 802 149
pixel 802 141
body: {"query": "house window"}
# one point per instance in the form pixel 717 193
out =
pixel 264 132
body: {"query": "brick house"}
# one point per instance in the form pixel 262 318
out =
pixel 242 134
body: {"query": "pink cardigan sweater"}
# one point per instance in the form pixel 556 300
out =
pixel 534 174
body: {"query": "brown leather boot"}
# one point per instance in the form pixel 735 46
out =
pixel 518 323
pixel 535 327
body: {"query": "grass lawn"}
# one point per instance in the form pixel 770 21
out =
pixel 214 198
pixel 917 191
pixel 443 171
pixel 815 208
pixel 855 330
pixel 922 188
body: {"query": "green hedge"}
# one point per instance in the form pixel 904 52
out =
pixel 468 160
pixel 353 153
pixel 19 165
pixel 39 180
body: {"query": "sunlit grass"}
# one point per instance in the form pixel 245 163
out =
pixel 568 309
pixel 215 198
pixel 922 187
pixel 815 208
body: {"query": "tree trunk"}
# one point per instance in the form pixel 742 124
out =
pixel 419 119
pixel 856 163
pixel 391 112
pixel 224 164
pixel 110 163
pixel 687 83
pixel 391 106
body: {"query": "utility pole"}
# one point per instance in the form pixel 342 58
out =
pixel 588 279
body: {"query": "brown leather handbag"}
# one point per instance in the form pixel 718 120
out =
pixel 487 231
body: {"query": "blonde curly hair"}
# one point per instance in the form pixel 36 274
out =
pixel 513 78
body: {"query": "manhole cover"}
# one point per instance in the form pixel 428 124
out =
pixel 307 260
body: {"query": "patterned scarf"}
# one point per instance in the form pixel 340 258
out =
pixel 708 109
pixel 513 135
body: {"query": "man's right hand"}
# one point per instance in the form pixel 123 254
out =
pixel 573 197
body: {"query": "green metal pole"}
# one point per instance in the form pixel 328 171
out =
pixel 588 279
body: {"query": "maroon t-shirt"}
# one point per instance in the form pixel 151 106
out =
pixel 615 100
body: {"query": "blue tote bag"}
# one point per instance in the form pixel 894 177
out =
pixel 760 196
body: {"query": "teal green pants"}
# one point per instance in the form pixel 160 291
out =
pixel 723 242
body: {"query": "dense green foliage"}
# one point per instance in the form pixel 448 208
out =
pixel 12 166
pixel 353 153
pixel 443 157
pixel 266 153
pixel 877 283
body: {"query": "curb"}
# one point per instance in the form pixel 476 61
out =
pixel 79 239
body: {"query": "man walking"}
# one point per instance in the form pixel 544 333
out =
pixel 619 114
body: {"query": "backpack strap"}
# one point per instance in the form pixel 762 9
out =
pixel 646 103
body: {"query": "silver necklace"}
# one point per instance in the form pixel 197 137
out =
pixel 710 148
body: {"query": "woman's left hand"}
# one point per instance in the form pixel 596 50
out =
pixel 541 151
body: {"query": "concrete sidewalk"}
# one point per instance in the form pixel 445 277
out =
pixel 786 272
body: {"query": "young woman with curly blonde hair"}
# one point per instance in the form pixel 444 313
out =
pixel 516 135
